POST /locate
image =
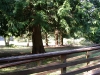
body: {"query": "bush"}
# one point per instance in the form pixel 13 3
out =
pixel 95 37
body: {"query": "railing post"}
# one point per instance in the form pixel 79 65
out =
pixel 39 63
pixel 87 56
pixel 63 60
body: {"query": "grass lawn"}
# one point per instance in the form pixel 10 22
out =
pixel 15 51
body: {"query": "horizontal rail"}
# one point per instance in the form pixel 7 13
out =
pixel 65 61
pixel 27 61
pixel 45 55
pixel 82 61
pixel 97 72
pixel 49 67
pixel 87 68
pixel 36 69
pixel 17 63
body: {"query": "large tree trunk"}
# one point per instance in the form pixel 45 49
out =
pixel 37 40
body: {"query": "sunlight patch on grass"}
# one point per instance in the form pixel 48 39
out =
pixel 48 73
pixel 5 70
pixel 55 73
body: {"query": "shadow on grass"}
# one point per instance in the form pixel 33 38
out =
pixel 9 51
pixel 60 48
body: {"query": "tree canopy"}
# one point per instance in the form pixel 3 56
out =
pixel 74 18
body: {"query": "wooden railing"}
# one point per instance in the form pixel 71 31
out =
pixel 67 58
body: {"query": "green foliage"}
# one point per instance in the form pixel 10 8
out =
pixel 6 8
pixel 3 24
pixel 79 17
pixel 95 37
pixel 65 9
pixel 75 18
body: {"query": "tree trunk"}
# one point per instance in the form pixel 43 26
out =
pixel 27 42
pixel 61 39
pixel 56 36
pixel 56 39
pixel 6 41
pixel 37 40
pixel 46 39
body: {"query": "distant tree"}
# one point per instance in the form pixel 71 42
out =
pixel 75 18
pixel 6 8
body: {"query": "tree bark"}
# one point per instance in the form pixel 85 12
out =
pixel 56 36
pixel 56 39
pixel 61 39
pixel 37 40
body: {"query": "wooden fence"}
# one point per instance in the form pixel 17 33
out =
pixel 68 58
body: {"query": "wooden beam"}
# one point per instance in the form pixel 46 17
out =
pixel 51 67
pixel 46 55
pixel 87 68
pixel 63 60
